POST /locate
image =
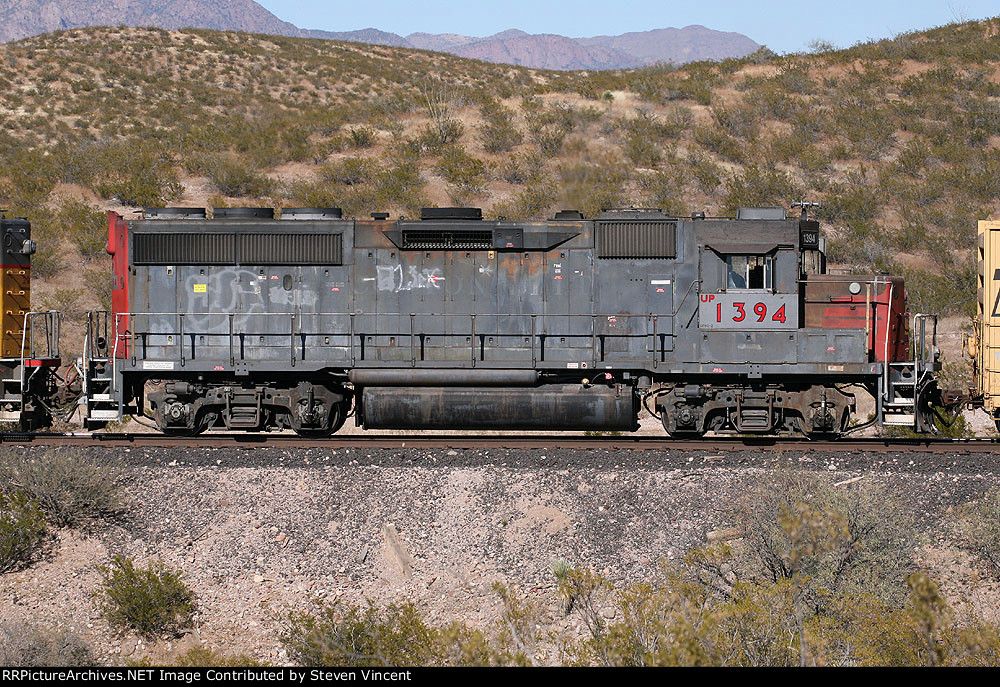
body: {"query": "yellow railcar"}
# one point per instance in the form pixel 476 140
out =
pixel 985 345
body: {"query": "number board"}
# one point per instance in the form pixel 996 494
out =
pixel 748 310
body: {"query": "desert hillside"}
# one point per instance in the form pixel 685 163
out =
pixel 899 139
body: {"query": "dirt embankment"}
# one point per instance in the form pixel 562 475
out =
pixel 259 532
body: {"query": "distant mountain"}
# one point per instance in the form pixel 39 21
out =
pixel 23 18
pixel 552 51
pixel 371 36
pixel 690 44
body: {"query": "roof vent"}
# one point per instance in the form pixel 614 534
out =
pixel 380 216
pixel 312 213
pixel 761 213
pixel 244 213
pixel 568 215
pixel 174 213
pixel 451 213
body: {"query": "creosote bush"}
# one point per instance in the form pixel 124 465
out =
pixel 150 601
pixel 395 635
pixel 27 645
pixel 69 487
pixel 398 634
pixel 22 530
pixel 235 178
pixel 978 528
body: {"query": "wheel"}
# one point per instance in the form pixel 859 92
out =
pixel 338 415
pixel 203 423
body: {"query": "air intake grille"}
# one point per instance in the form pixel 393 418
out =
pixel 291 249
pixel 636 239
pixel 184 249
pixel 458 239
pixel 237 249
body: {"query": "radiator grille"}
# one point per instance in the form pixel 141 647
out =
pixel 237 249
pixel 184 249
pixel 291 249
pixel 636 239
pixel 472 239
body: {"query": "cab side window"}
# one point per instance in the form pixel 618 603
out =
pixel 750 272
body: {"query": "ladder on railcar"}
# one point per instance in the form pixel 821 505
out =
pixel 100 402
pixel 909 387
pixel 20 382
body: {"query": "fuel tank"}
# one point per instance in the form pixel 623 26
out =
pixel 553 407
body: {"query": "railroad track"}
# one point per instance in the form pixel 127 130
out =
pixel 482 441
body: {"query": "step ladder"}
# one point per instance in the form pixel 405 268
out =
pixel 11 390
pixel 906 385
pixel 101 400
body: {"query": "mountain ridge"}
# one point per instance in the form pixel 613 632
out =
pixel 24 18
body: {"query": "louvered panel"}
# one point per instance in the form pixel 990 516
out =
pixel 636 239
pixel 184 249
pixel 470 239
pixel 291 249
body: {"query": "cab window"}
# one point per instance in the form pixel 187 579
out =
pixel 749 272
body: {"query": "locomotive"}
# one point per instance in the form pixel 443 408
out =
pixel 248 321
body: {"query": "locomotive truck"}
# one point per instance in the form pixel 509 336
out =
pixel 254 322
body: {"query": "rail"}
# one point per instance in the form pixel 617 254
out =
pixel 668 448
pixel 353 337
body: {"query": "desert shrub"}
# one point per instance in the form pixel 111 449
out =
pixel 664 190
pixel 349 171
pixel 465 174
pixel 150 600
pixel 22 530
pixel 591 187
pixel 135 172
pixel 537 196
pixel 398 634
pixel 399 184
pixel 394 635
pixel 836 540
pixel 754 186
pixel 548 125
pixel 28 176
pixel 100 281
pixel 855 200
pixel 70 487
pixel 721 143
pixel 361 136
pixel 677 623
pixel 439 101
pixel 644 131
pixel 498 133
pixel 236 178
pixel 85 226
pixel 520 168
pixel 50 256
pixel 706 173
pixel 66 301
pixel 739 121
pixel 977 526
pixel 27 645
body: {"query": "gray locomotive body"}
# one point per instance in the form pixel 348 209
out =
pixel 456 322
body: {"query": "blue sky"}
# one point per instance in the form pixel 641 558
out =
pixel 782 25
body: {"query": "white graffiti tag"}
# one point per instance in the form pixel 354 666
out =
pixel 392 278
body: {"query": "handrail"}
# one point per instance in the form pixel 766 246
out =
pixel 226 324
